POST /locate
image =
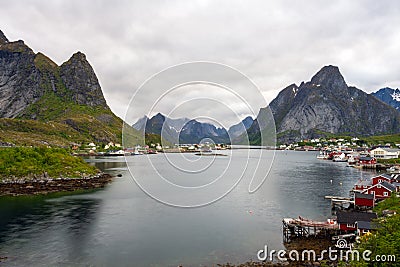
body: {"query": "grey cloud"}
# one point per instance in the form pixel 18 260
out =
pixel 275 43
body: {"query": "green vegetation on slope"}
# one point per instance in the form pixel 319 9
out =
pixel 28 161
pixel 57 119
pixel 386 239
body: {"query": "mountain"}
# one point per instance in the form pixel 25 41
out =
pixel 238 129
pixel 194 131
pixel 182 130
pixel 326 104
pixel 389 96
pixel 43 103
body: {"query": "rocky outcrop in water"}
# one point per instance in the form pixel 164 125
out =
pixel 46 185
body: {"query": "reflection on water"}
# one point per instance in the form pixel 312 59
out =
pixel 122 226
pixel 34 229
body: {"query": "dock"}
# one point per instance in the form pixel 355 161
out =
pixel 339 203
pixel 302 227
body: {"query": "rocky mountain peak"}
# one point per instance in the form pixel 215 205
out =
pixel 3 38
pixel 327 105
pixel 329 77
pixel 389 96
pixel 159 116
pixel 78 56
pixel 79 77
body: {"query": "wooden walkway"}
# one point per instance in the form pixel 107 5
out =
pixel 302 227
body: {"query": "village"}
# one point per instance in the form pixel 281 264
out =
pixel 116 149
pixel 352 216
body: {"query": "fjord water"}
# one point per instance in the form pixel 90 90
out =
pixel 122 226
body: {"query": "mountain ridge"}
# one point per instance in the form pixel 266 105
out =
pixel 35 91
pixel 184 130
pixel 326 104
pixel 389 96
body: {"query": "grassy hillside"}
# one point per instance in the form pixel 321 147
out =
pixel 27 161
pixel 61 116
pixel 385 241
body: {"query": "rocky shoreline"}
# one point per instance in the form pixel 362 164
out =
pixel 22 186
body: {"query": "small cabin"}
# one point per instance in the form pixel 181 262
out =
pixel 361 185
pixel 365 227
pixel 364 200
pixel 381 178
pixel 348 220
pixel 381 191
pixel 367 161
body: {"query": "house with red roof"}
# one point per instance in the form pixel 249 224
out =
pixel 381 191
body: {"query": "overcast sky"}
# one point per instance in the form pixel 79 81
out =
pixel 274 43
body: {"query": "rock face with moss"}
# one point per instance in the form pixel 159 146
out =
pixel 19 78
pixel 79 77
pixel 35 91
pixel 326 104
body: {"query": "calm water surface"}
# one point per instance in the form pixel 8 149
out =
pixel 122 226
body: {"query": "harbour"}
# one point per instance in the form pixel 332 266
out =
pixel 107 226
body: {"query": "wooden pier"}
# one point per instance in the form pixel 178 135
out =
pixel 340 203
pixel 302 227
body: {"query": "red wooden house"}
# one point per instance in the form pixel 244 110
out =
pixel 381 191
pixel 381 178
pixel 364 200
pixel 362 185
pixel 347 220
pixel 367 160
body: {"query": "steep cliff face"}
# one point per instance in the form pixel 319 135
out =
pixel 33 87
pixel 327 105
pixel 79 77
pixel 19 78
pixel 238 129
pixel 26 77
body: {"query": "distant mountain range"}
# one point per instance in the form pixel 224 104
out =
pixel 186 131
pixel 42 103
pixel 389 96
pixel 323 106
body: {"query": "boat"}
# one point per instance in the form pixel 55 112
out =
pixel 391 169
pixel 115 153
pixel 351 161
pixel 136 152
pixel 340 158
pixel 322 156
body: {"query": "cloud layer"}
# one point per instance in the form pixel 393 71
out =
pixel 275 43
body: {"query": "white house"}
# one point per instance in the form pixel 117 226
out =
pixel 385 153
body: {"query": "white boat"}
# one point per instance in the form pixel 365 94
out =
pixel 352 161
pixel 115 153
pixel 340 158
pixel 136 152
pixel 322 156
